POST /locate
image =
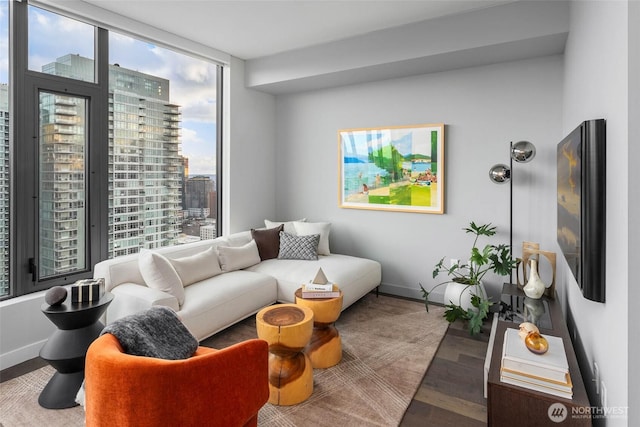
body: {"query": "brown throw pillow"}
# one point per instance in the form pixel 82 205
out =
pixel 268 242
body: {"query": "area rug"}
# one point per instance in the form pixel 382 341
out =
pixel 388 344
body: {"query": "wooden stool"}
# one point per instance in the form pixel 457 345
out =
pixel 287 328
pixel 325 347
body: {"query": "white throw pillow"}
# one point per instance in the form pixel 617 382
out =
pixel 158 273
pixel 288 225
pixel 238 257
pixel 197 267
pixel 321 228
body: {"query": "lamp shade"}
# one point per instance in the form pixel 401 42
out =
pixel 500 173
pixel 523 151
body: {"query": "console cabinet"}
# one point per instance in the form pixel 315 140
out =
pixel 509 405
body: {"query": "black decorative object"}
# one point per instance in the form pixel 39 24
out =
pixel 56 295
pixel 582 205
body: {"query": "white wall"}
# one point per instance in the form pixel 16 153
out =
pixel 23 329
pixel 483 108
pixel 249 154
pixel 596 86
pixel 634 208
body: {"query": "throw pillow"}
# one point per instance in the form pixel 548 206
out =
pixel 268 241
pixel 238 257
pixel 197 267
pixel 158 273
pixel 288 225
pixel 321 228
pixel 298 247
pixel 157 332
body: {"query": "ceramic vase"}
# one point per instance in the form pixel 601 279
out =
pixel 460 294
pixel 534 287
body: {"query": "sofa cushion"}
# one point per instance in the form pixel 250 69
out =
pixel 158 273
pixel 298 247
pixel 288 225
pixel 354 276
pixel 197 267
pixel 321 228
pixel 218 302
pixel 268 241
pixel 238 257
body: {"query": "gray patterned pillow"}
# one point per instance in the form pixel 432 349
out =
pixel 298 247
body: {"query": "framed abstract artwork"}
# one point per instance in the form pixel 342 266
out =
pixel 399 168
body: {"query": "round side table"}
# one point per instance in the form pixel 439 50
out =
pixel 325 347
pixel 65 350
pixel 287 328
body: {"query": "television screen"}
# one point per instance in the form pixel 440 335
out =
pixel 581 159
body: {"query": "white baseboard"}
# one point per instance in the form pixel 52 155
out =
pixel 20 355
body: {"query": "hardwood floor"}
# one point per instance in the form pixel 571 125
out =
pixel 452 390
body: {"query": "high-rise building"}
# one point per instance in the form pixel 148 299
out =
pixel 198 194
pixel 208 232
pixel 4 189
pixel 146 175
pixel 145 168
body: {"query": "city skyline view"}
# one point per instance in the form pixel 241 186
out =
pixel 161 130
pixel 193 81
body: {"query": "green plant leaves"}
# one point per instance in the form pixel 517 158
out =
pixel 490 258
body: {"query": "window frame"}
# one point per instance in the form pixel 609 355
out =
pixel 25 85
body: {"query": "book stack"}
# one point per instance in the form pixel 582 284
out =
pixel 320 287
pixel 547 373
pixel 316 290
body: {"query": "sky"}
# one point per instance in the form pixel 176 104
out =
pixel 192 81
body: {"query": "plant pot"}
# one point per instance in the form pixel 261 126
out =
pixel 460 294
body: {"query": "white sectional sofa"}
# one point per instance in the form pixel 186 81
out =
pixel 224 290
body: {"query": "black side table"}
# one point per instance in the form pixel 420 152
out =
pixel 78 326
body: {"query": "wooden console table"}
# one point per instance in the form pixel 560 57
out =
pixel 512 405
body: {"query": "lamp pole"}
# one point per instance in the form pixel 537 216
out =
pixel 511 209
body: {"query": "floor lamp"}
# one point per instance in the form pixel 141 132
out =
pixel 521 152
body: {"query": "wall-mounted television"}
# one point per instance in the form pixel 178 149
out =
pixel 582 205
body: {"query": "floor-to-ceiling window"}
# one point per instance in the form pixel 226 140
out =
pixel 4 150
pixel 117 148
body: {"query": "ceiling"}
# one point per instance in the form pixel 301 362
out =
pixel 250 29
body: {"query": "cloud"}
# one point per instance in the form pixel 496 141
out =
pixel 202 165
pixel 192 81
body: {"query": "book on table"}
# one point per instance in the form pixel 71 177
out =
pixel 311 291
pixel 548 372
pixel 567 394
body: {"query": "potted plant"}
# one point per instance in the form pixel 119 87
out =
pixel 468 278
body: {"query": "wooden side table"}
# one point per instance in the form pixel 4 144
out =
pixel 325 347
pixel 65 350
pixel 287 328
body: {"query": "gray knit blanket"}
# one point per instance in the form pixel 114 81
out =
pixel 157 332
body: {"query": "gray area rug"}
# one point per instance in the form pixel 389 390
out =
pixel 388 344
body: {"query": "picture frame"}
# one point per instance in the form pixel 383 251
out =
pixel 395 168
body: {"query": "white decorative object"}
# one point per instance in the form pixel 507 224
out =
pixel 534 287
pixel 320 278
pixel 460 294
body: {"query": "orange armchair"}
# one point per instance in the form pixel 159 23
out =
pixel 213 387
